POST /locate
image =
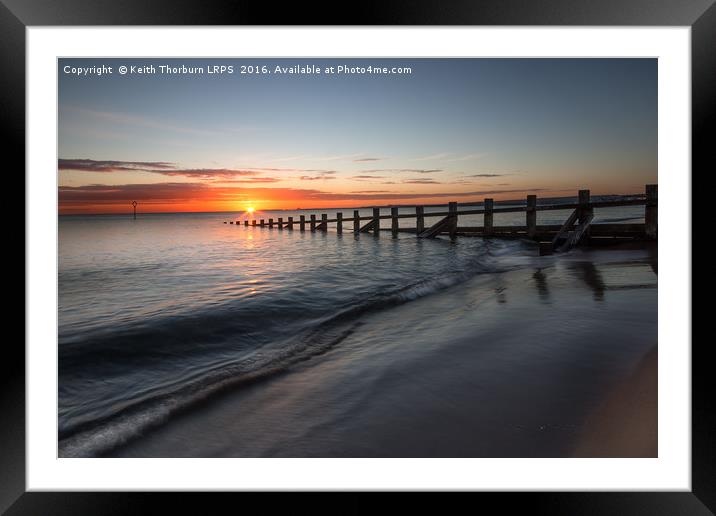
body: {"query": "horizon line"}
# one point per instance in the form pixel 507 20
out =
pixel 469 203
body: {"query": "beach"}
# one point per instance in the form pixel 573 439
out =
pixel 467 349
pixel 489 373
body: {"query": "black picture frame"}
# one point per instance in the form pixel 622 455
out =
pixel 17 15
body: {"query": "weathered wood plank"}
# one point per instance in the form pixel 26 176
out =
pixel 290 223
pixel 577 234
pixel 356 221
pixel 339 223
pixel 585 210
pixel 566 227
pixel 313 222
pixel 595 229
pixel 434 230
pixel 369 226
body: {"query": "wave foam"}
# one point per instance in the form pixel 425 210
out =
pixel 325 334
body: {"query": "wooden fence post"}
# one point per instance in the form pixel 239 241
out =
pixel 246 222
pixel 452 210
pixel 324 222
pixel 356 221
pixel 650 212
pixel 488 223
pixel 290 223
pixel 420 219
pixel 253 222
pixel 271 223
pixel 262 223
pixel 394 221
pixel 531 216
pixel 584 208
pixel 339 222
pixel 313 222
pixel 376 221
pixel 302 223
pixel 280 223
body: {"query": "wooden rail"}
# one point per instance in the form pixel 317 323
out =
pixel 577 227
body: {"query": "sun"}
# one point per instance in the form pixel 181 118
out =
pixel 251 209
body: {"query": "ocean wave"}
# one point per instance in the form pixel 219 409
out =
pixel 322 334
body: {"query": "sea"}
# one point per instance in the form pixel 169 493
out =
pixel 181 335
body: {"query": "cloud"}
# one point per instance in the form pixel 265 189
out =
pixel 359 160
pixel 139 192
pixel 91 165
pixel 205 173
pixel 361 177
pixel 370 191
pixel 487 175
pixel 420 181
pixel 250 180
pixel 165 168
pixel 314 178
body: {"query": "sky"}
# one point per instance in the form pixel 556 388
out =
pixel 176 140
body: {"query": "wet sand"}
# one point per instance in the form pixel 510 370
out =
pixel 556 358
pixel 626 423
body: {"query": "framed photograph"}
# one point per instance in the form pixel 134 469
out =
pixel 417 253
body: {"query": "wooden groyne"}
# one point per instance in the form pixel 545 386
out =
pixel 577 228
